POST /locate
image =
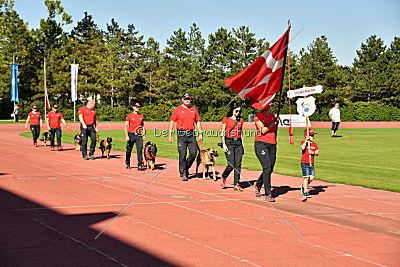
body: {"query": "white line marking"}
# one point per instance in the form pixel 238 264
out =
pixel 79 242
pixel 191 240
pixel 341 253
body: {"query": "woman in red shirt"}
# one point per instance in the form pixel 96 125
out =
pixel 36 124
pixel 265 148
pixel 232 144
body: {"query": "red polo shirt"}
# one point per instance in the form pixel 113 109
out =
pixel 305 155
pixel 185 117
pixel 135 122
pixel 269 137
pixel 35 118
pixel 89 115
pixel 233 132
pixel 54 119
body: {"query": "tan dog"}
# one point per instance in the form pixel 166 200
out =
pixel 78 142
pixel 207 158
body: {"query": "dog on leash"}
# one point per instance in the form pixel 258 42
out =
pixel 207 158
pixel 78 142
pixel 105 147
pixel 150 154
pixel 45 138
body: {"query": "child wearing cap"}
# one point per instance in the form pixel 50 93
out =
pixel 309 151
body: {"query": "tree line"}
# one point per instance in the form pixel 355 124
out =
pixel 119 66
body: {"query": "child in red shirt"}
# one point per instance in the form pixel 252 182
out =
pixel 309 151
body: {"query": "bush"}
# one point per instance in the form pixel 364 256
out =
pixel 362 111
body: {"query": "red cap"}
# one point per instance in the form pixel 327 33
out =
pixel 311 132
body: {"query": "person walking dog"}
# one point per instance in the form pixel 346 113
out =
pixel 88 119
pixel 187 118
pixel 232 144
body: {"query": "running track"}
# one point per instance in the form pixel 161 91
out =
pixel 53 204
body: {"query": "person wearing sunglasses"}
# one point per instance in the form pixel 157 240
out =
pixel 232 144
pixel 187 118
pixel 35 124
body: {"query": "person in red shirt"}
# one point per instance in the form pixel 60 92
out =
pixel 88 119
pixel 232 144
pixel 187 118
pixel 135 134
pixel 309 151
pixel 265 148
pixel 53 119
pixel 36 124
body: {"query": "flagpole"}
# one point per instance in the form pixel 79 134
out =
pixel 75 102
pixel 283 75
pixel 44 87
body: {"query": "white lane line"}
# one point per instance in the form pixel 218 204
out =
pixel 341 253
pixel 79 242
pixel 192 241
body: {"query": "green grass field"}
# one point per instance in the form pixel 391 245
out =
pixel 363 157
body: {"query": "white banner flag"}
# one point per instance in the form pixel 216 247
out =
pixel 74 82
pixel 305 91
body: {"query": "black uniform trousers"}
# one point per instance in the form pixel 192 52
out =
pixel 138 140
pixel 266 154
pixel 85 133
pixel 186 140
pixel 54 132
pixel 35 129
pixel 234 158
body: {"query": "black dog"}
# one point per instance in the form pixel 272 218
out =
pixel 45 137
pixel 78 142
pixel 105 146
pixel 150 154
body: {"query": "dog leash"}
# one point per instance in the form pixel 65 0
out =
pixel 201 145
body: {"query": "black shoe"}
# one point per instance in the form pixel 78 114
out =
pixel 85 157
pixel 128 166
pixel 141 167
pixel 91 156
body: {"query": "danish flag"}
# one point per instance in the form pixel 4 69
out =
pixel 263 78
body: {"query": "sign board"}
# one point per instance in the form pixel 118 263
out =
pixel 306 106
pixel 305 91
pixel 298 121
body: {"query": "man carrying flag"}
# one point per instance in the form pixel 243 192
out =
pixel 260 82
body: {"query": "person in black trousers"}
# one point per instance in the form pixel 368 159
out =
pixel 232 144
pixel 35 124
pixel 187 118
pixel 135 134
pixel 88 119
pixel 265 148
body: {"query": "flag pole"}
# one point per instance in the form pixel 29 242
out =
pixel 75 102
pixel 44 85
pixel 283 75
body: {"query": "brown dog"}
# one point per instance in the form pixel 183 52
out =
pixel 78 142
pixel 105 146
pixel 207 158
pixel 150 154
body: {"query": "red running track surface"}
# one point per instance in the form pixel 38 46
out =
pixel 53 204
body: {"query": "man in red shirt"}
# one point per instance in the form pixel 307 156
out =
pixel 135 134
pixel 53 119
pixel 187 118
pixel 88 119
pixel 265 148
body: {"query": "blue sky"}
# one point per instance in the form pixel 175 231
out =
pixel 347 24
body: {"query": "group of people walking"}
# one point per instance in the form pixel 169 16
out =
pixel 186 119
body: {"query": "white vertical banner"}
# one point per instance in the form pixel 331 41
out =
pixel 74 82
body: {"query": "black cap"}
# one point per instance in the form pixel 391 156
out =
pixel 186 96
pixel 136 105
